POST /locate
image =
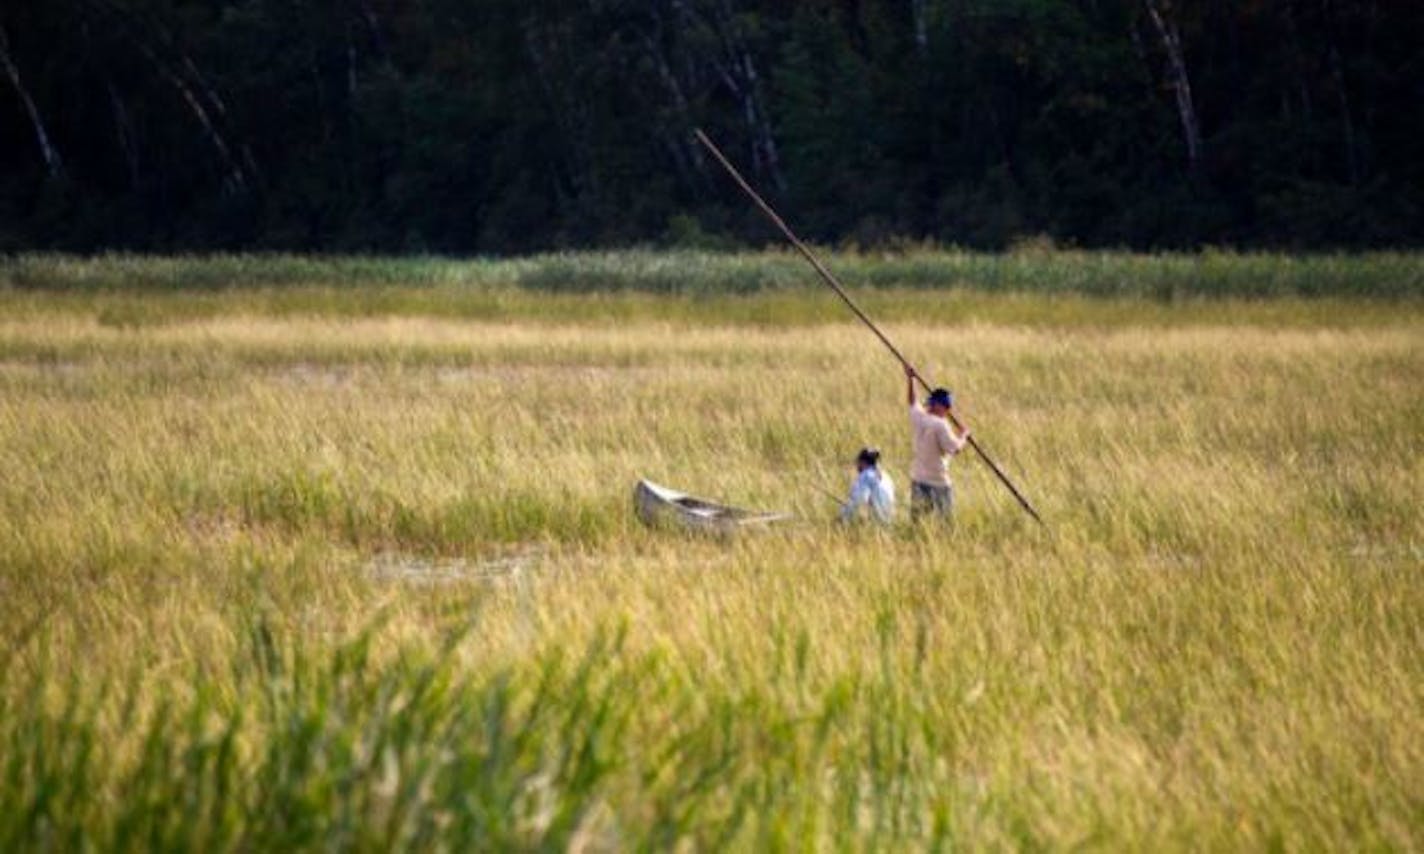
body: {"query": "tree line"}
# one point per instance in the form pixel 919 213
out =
pixel 505 126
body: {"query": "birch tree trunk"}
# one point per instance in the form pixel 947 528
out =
pixel 686 155
pixel 236 178
pixel 1181 83
pixel 54 164
pixel 738 71
pixel 203 101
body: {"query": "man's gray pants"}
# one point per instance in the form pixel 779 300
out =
pixel 930 500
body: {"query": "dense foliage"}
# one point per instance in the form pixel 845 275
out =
pixel 501 126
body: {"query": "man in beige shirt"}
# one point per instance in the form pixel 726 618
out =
pixel 934 442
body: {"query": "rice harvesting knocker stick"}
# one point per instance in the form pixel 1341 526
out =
pixel 836 286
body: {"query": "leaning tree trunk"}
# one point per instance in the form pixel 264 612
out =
pixel 1181 83
pixel 203 101
pixel 687 156
pixel 738 72
pixel 54 164
pixel 236 176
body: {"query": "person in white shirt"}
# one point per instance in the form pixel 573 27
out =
pixel 931 491
pixel 872 489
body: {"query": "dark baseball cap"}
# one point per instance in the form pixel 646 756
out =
pixel 942 397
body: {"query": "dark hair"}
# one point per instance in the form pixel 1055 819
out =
pixel 942 396
pixel 869 456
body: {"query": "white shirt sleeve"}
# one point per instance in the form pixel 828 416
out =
pixel 859 494
pixel 948 443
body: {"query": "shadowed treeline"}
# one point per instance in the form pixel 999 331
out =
pixel 498 127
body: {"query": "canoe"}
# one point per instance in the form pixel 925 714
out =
pixel 660 506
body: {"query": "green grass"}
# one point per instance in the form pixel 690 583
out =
pixel 294 564
pixel 1210 273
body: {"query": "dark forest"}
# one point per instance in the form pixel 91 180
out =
pixel 497 126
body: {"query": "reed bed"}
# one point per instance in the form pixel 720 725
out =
pixel 286 575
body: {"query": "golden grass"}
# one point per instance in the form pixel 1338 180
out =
pixel 1216 643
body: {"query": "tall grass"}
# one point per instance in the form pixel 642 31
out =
pixel 277 579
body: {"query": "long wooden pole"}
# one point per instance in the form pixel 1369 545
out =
pixel 836 286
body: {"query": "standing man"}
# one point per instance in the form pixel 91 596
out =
pixel 934 442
